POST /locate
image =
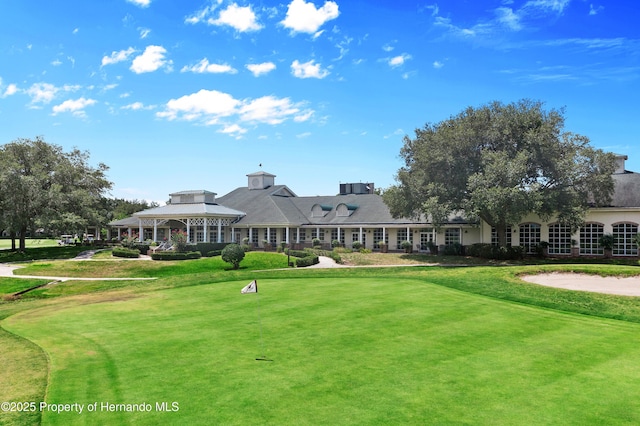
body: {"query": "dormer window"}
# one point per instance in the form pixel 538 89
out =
pixel 344 210
pixel 320 210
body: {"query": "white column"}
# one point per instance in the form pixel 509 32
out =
pixel 233 235
pixel 298 236
pixel 286 235
pixel 140 230
pixel 206 231
pixel 268 235
pixel 360 235
pixel 155 229
pixel 384 234
pixel 219 231
pixel 188 230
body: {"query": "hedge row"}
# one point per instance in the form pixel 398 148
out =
pixel 172 255
pixel 303 257
pixel 301 262
pixel 488 251
pixel 125 252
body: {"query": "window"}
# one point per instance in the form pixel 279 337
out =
pixel 530 237
pixel 402 237
pixel 624 234
pixel 314 234
pixel 254 236
pixel 451 236
pixel 302 233
pixel 589 235
pixel 335 236
pixel 559 239
pixel 494 236
pixel 272 236
pixel 378 235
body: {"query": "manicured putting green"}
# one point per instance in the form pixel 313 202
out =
pixel 344 351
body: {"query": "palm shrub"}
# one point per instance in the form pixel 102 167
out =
pixel 233 254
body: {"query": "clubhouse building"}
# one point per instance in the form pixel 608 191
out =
pixel 266 213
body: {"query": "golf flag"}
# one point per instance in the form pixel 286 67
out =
pixel 252 287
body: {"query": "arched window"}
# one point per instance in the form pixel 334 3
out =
pixel 624 234
pixel 530 237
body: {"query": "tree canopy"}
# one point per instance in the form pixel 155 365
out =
pixel 43 186
pixel 500 162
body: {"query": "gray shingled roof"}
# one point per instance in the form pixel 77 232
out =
pixel 627 190
pixel 194 209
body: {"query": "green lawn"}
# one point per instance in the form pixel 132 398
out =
pixel 5 243
pixel 357 346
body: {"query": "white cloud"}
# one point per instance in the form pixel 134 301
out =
pixel 205 103
pixel 136 106
pixel 259 69
pixel 118 56
pixel 44 93
pixel 399 60
pixel 75 31
pixel 151 60
pixel 56 62
pixel 140 3
pixel 268 109
pixel 211 107
pixel 308 70
pixel 552 5
pixel 303 17
pixel 437 64
pixel 595 10
pixel 387 47
pixel 11 89
pixel 233 130
pixel 144 32
pixel 76 107
pixel 205 67
pixel 508 18
pixel 242 18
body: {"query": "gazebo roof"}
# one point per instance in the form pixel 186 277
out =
pixel 182 210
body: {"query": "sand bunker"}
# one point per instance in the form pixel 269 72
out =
pixel 584 282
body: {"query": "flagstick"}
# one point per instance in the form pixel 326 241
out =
pixel 263 357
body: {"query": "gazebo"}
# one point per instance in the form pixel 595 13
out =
pixel 194 212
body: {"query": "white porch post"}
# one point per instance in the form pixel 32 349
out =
pixel 360 235
pixel 250 236
pixel 233 234
pixel 155 229
pixel 188 230
pixel 384 234
pixel 108 234
pixel 268 235
pixel 140 230
pixel 298 236
pixel 286 238
pixel 206 231
pixel 219 231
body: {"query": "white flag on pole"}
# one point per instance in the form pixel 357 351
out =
pixel 252 287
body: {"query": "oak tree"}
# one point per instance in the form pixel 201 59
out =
pixel 500 162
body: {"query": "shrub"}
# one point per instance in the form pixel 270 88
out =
pixel 356 245
pixel 179 240
pixel 206 248
pixel 233 254
pixel 125 252
pixel 307 261
pixel 316 242
pixel 488 251
pixel 335 243
pixel 454 249
pixel 213 253
pixel 174 255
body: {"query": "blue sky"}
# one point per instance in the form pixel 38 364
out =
pixel 196 94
